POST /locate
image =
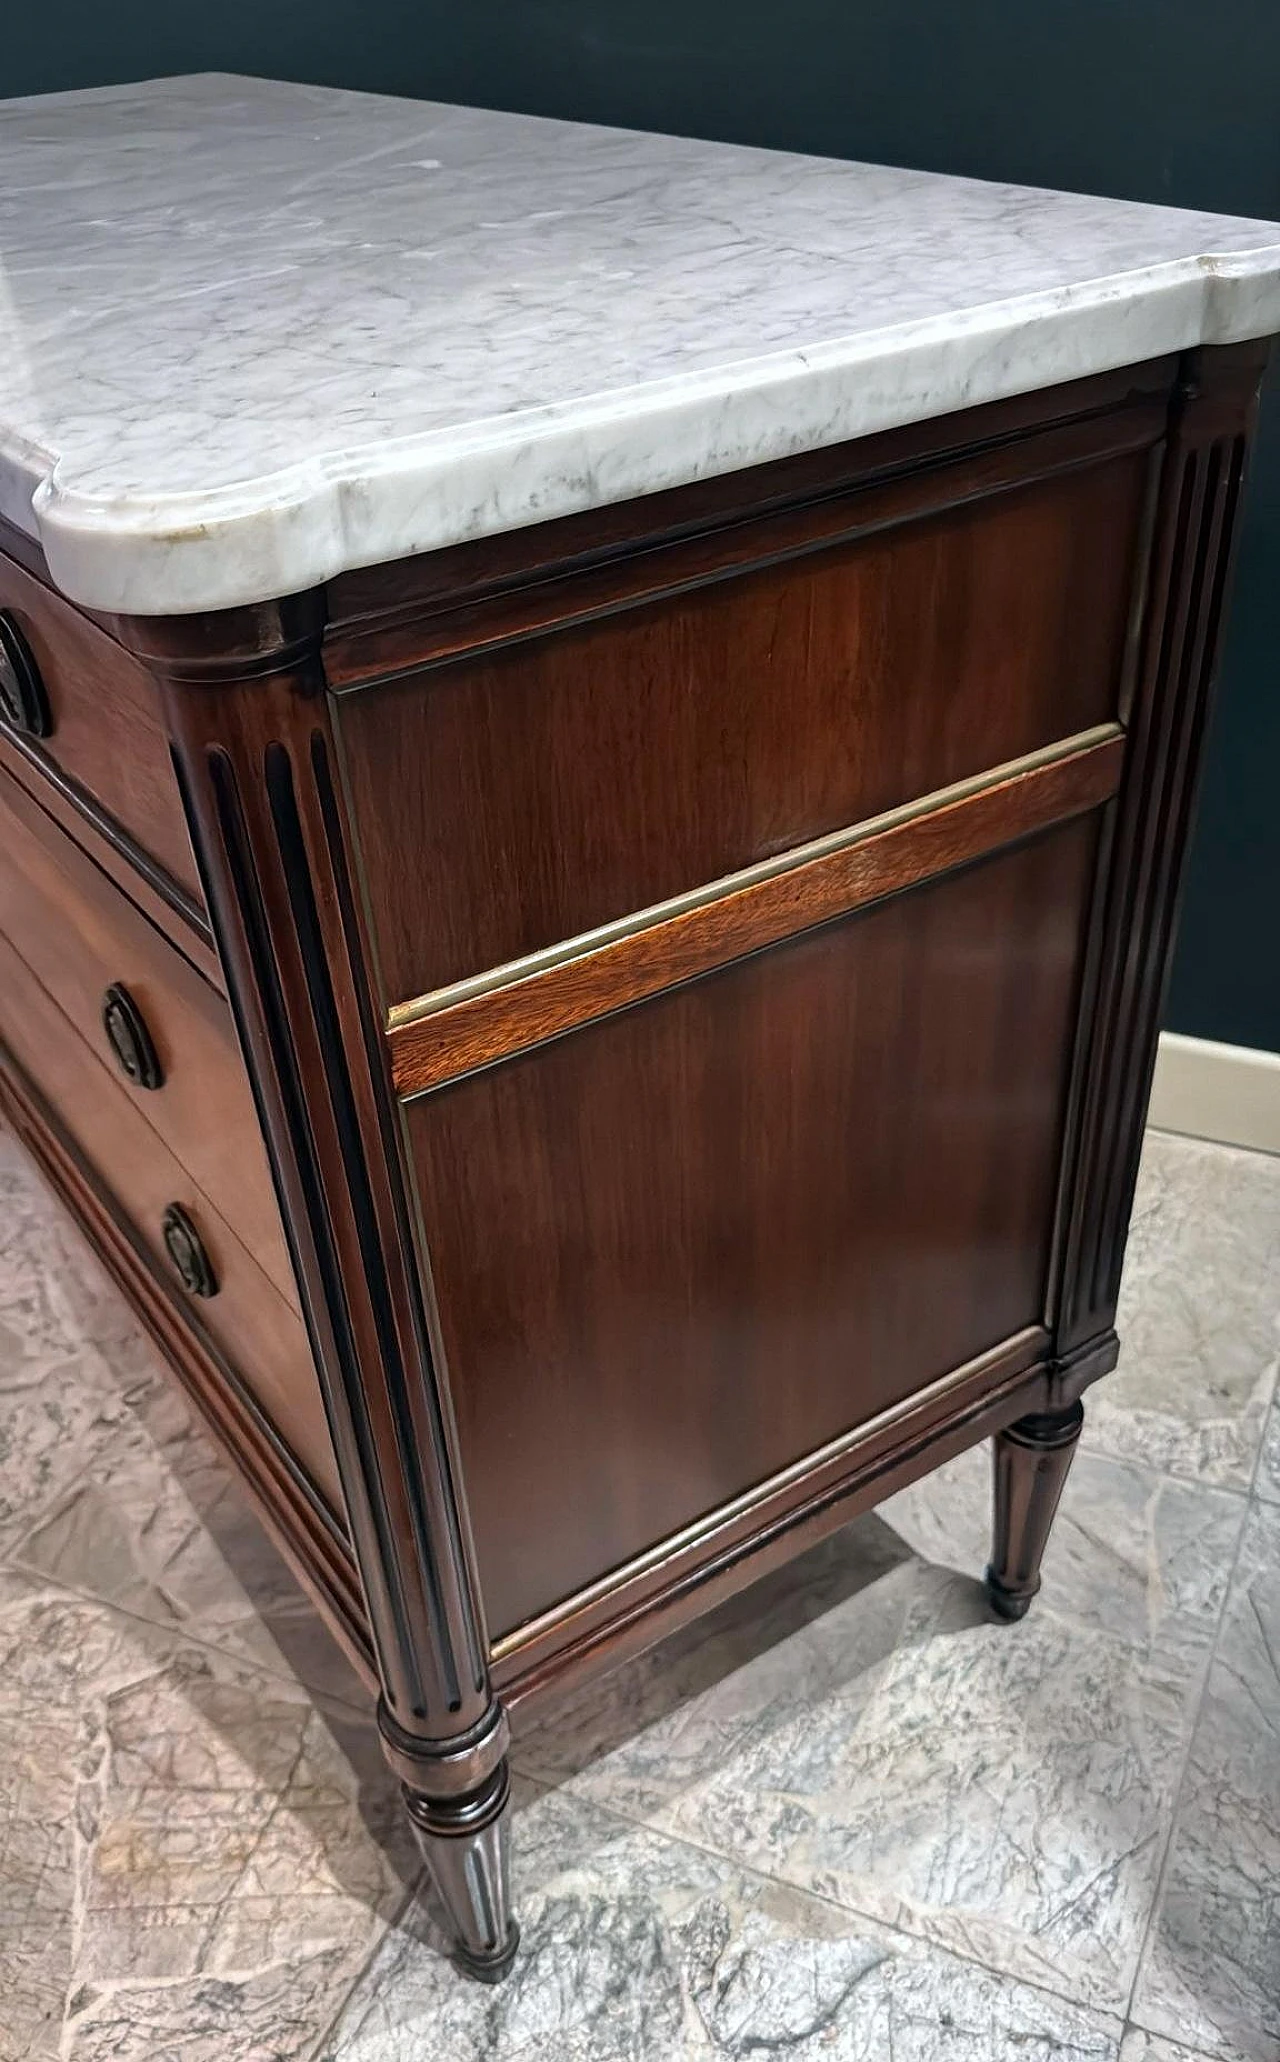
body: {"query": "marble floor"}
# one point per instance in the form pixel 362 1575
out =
pixel 847 1817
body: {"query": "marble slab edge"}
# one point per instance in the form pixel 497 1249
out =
pixel 176 553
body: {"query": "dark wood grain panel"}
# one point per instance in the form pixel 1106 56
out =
pixel 247 1319
pixel 108 737
pixel 432 1045
pixel 79 936
pixel 678 565
pixel 630 1607
pixel 696 1241
pixel 505 803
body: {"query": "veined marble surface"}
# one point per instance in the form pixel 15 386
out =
pixel 254 334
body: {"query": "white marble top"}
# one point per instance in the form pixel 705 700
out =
pixel 254 334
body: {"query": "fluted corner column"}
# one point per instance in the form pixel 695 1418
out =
pixel 250 731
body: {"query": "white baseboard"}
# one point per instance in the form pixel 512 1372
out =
pixel 1226 1092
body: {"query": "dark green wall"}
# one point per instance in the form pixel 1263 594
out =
pixel 1161 100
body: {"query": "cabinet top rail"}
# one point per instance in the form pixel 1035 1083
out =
pixel 253 335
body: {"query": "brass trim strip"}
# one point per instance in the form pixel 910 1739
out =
pixel 527 1003
pixel 584 943
pixel 1031 1337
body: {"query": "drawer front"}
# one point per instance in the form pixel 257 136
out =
pixel 101 710
pixel 694 1242
pixel 85 942
pixel 246 1316
pixel 515 798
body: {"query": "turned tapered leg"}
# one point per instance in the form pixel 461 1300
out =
pixel 464 1842
pixel 1031 1463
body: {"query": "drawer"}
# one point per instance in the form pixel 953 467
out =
pixel 247 1318
pixel 81 937
pixel 101 713
pixel 628 735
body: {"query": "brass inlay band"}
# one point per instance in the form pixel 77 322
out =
pixel 1017 1352
pixel 473 1023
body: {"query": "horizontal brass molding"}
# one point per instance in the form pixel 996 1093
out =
pixel 789 1490
pixel 474 1023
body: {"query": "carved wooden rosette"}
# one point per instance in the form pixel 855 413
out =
pixel 253 756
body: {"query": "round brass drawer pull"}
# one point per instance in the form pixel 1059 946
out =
pixel 129 1038
pixel 24 705
pixel 185 1248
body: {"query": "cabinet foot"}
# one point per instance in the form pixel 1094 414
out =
pixel 464 1841
pixel 1031 1458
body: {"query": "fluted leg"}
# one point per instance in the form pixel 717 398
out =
pixel 464 1841
pixel 1031 1463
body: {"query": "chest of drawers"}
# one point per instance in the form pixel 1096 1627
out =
pixel 607 1042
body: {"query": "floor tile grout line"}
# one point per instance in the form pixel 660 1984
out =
pixel 331 2024
pixel 1246 1490
pixel 677 1840
pixel 848 1911
pixel 1175 1809
pixel 322 1700
pixel 1217 1145
pixel 1192 2054
pixel 46 1510
pixel 1127 1460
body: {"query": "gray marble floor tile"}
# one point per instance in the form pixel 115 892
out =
pixel 1138 2046
pixel 1267 1485
pixel 159 1526
pixel 1211 1976
pixel 64 1390
pixel 53 1289
pixel 195 1859
pixel 1002 1792
pixel 637 1948
pixel 1199 1314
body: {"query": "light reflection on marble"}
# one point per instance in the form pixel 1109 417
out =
pixel 1212 1975
pixel 641 1949
pixel 1199 1317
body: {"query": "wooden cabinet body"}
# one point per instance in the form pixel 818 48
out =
pixel 655 1020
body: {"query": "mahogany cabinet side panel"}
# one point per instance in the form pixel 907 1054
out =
pixel 680 1249
pixel 511 800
